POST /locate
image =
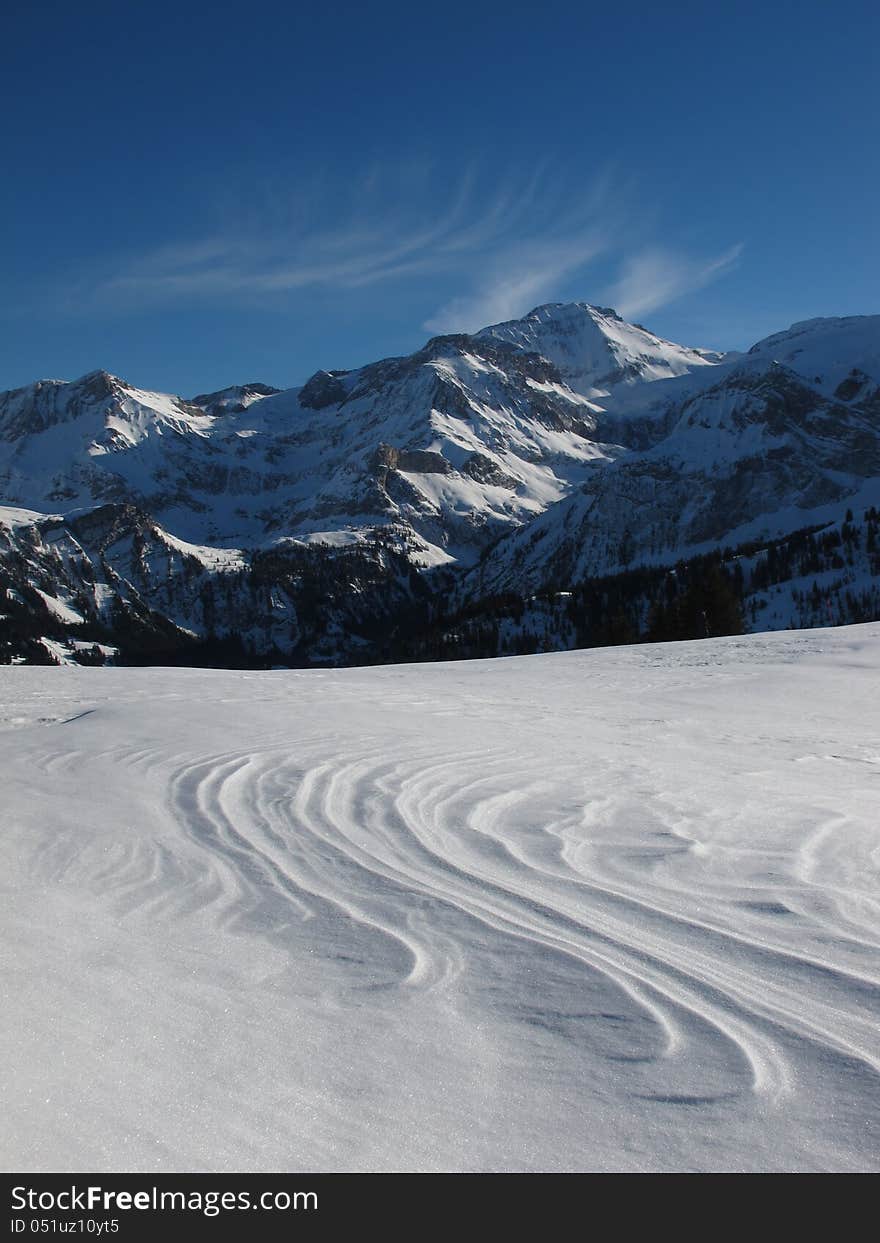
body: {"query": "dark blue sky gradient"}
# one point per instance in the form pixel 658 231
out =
pixel 201 194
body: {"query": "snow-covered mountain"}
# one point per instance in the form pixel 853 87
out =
pixel 784 437
pixel 542 451
pixel 594 350
pixel 443 449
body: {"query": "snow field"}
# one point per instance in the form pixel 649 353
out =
pixel 605 910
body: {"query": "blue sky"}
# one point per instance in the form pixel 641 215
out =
pixel 201 194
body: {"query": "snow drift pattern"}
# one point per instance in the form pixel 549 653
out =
pixel 608 910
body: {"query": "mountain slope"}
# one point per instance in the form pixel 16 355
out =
pixel 441 450
pixel 767 443
pixel 317 523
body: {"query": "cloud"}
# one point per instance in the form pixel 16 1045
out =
pixel 518 279
pixel 656 276
pixel 378 227
pixel 504 244
pixel 560 233
pixel 236 266
pixel 485 248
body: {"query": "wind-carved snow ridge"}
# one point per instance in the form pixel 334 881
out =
pixel 593 910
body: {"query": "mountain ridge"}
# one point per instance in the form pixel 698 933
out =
pixel 563 446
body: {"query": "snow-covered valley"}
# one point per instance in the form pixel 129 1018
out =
pixel 596 910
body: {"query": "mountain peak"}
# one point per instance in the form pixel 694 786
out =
pixel 549 310
pixel 825 350
pixel 234 399
pixel 594 349
pixel 98 384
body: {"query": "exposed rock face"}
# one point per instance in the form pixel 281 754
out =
pixel 233 400
pixel 386 456
pixel 854 384
pixel 415 461
pixel 325 388
pixel 423 462
pixel 484 470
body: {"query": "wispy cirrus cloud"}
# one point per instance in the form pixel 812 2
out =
pixel 383 228
pixel 482 251
pixel 655 276
pixel 499 243
pixel 555 242
pixel 518 279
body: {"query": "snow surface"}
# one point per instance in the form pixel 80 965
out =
pixel 13 516
pixel 825 350
pixel 614 909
